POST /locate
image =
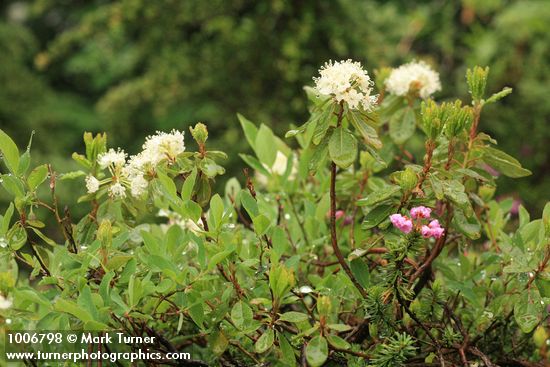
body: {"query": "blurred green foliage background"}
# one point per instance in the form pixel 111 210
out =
pixel 130 67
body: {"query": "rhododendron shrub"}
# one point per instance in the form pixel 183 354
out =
pixel 368 236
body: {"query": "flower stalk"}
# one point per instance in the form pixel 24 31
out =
pixel 333 234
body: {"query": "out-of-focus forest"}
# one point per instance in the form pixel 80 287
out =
pixel 131 67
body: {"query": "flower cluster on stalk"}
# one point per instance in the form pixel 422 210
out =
pixel 134 174
pixel 407 224
pixel 413 77
pixel 346 81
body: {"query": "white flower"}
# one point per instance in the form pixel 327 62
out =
pixel 414 76
pixel 163 146
pixel 113 157
pixel 92 184
pixel 346 81
pixel 138 185
pixel 278 168
pixel 176 219
pixel 117 190
pixel 5 303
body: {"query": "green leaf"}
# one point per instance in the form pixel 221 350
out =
pixel 86 302
pixel 249 204
pixel 546 218
pixel 527 311
pixel 499 95
pixel 70 307
pixel 368 132
pixel 188 184
pixel 105 287
pixel 437 186
pixel 338 342
pixel 216 259
pixel 402 126
pixel 543 284
pixel 379 195
pixel 250 130
pixel 261 224
pixel 339 327
pixel 9 151
pixel 29 294
pixel 504 163
pixel 17 236
pixel 524 216
pixel 13 185
pixel 216 211
pixel 455 191
pixel 342 147
pixel 72 175
pixel 361 271
pixel 293 316
pixel 323 122
pixel 6 219
pixel 255 164
pixel 287 352
pixel 168 185
pixel 219 343
pixel 467 225
pixel 265 341
pixel 37 176
pixel 193 210
pixel 241 315
pixel 377 216
pixel 150 242
pixel 265 146
pixel 115 262
pixel 319 152
pixel 317 351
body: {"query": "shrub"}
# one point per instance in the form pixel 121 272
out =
pixel 348 250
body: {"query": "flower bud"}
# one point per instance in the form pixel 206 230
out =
pixel 459 118
pixel 408 179
pixel 199 133
pixel 104 232
pixel 431 119
pixel 476 79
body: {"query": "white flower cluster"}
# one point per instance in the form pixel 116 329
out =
pixel 112 159
pixel 133 174
pixel 175 218
pixel 413 77
pixel 346 81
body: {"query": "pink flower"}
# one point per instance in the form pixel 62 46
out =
pixel 433 229
pixel 339 214
pixel 420 212
pixel 348 220
pixel 426 231
pixel 401 222
pixel 437 232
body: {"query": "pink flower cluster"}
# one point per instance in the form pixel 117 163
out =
pixel 433 229
pixel 406 225
pixel 402 222
pixel 420 212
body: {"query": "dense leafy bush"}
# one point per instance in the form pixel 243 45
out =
pixel 133 67
pixel 344 251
